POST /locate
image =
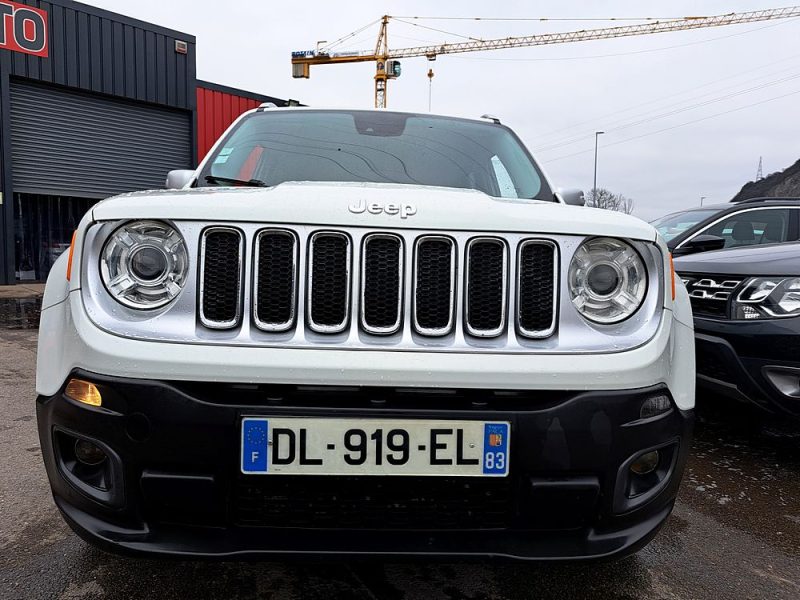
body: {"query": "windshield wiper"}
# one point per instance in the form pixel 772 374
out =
pixel 233 181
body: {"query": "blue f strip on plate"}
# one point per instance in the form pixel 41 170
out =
pixel 254 445
pixel 495 448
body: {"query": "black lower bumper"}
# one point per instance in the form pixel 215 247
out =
pixel 738 359
pixel 172 483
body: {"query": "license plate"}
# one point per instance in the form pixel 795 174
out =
pixel 312 446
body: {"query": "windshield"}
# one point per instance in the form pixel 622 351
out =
pixel 268 148
pixel 675 224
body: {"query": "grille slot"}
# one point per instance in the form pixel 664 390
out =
pixel 434 285
pixel 220 300
pixel 329 282
pixel 486 282
pixel 275 280
pixel 382 283
pixel 537 268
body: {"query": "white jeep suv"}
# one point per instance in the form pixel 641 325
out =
pixel 364 333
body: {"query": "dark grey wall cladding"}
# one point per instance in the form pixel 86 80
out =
pixel 75 144
pixel 122 57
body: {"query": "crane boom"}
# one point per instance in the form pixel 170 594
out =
pixel 598 34
pixel 303 60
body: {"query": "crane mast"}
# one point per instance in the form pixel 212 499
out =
pixel 387 66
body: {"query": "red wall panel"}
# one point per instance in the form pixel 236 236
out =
pixel 215 112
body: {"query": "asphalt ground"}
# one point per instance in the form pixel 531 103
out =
pixel 735 531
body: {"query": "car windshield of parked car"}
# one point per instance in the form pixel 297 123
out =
pixel 269 148
pixel 671 226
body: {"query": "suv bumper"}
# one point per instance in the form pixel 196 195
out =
pixel 740 360
pixel 173 484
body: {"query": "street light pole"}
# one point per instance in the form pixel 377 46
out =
pixel 597 134
pixel 701 199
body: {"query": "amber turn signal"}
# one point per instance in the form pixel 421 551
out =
pixel 83 392
pixel 71 252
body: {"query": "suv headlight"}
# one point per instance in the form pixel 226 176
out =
pixel 768 298
pixel 144 264
pixel 607 280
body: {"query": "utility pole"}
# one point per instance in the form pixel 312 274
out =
pixel 597 135
pixel 760 172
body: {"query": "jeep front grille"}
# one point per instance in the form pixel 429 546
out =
pixel 275 280
pixel 382 283
pixel 434 285
pixel 536 290
pixel 329 282
pixel 221 264
pixel 378 287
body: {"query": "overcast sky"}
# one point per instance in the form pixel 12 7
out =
pixel 658 97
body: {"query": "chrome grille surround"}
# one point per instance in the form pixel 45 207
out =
pixel 394 327
pixel 485 332
pixel 328 327
pixel 548 331
pixel 208 322
pixel 289 323
pixel 448 328
pixel 179 321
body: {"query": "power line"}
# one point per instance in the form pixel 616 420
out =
pixel 569 141
pixel 706 118
pixel 660 99
pixel 466 37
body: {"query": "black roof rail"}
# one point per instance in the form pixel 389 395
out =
pixel 765 199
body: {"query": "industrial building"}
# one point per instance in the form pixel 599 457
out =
pixel 92 104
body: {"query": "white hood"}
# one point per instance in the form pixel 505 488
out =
pixel 417 207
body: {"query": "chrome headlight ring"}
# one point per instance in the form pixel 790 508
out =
pixel 144 264
pixel 607 280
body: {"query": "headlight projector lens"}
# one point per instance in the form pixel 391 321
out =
pixel 607 280
pixel 144 264
pixel 149 264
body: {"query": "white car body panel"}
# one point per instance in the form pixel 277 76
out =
pixel 70 340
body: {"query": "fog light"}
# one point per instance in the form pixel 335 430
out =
pixel 646 463
pixel 655 406
pixel 88 453
pixel 84 392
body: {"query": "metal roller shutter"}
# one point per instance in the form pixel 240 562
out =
pixel 75 144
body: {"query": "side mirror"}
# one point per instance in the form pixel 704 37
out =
pixel 572 196
pixel 179 179
pixel 700 243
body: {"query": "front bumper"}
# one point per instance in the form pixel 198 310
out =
pixel 174 485
pixel 737 358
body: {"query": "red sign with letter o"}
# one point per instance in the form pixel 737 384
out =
pixel 24 28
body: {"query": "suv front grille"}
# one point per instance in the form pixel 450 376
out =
pixel 536 295
pixel 329 282
pixel 275 279
pixel 487 266
pixel 434 285
pixel 712 295
pixel 221 277
pixel 382 283
pixel 390 288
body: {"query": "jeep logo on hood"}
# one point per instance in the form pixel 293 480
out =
pixel 376 208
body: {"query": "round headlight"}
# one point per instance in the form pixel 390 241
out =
pixel 607 280
pixel 144 264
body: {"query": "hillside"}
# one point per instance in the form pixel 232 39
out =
pixel 782 184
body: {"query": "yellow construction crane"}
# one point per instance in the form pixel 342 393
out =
pixel 387 62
